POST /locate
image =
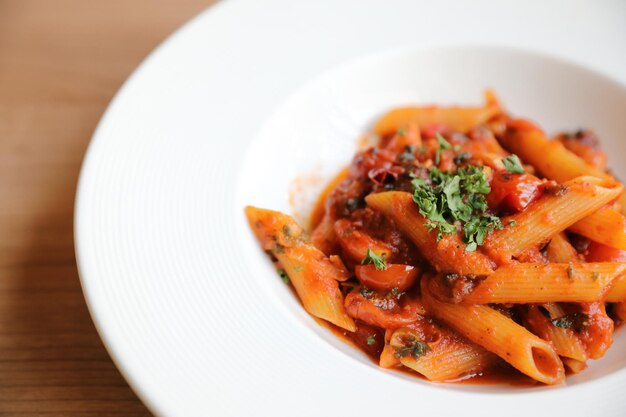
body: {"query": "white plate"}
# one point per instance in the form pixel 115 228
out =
pixel 187 304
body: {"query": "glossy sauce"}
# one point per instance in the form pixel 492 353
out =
pixel 375 170
pixel 500 373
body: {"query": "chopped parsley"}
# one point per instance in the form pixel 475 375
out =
pixel 443 145
pixel 577 321
pixel 513 164
pixel 460 158
pixel 512 223
pixel 450 198
pixel 371 339
pixel 283 275
pixel 401 132
pixel 298 268
pixel 413 347
pixel 373 258
pixel 367 293
pixel 408 154
pixel 564 322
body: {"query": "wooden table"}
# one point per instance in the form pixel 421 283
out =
pixel 60 63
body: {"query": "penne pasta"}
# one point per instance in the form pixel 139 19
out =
pixel 388 357
pixel 456 118
pixel 439 354
pixel 447 254
pixel 549 215
pixel 606 226
pixel 566 343
pixel 549 157
pixel 499 334
pixel 574 366
pixel 559 250
pixel 617 293
pixel 525 283
pixel 558 163
pixel 313 276
pixel 596 329
pixel 406 136
pixel 517 242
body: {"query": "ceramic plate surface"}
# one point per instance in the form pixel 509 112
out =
pixel 260 103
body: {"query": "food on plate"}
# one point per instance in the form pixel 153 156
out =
pixel 464 243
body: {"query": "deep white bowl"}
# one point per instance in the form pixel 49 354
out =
pixel 315 133
pixel 189 307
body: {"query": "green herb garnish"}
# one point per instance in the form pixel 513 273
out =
pixel 407 155
pixel 448 199
pixel 413 347
pixel 367 293
pixel 298 268
pixel 577 321
pixel 373 258
pixel 401 132
pixel 283 275
pixel 564 322
pixel 371 339
pixel 443 145
pixel 513 164
pixel 512 223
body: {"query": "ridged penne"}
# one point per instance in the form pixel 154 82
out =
pixel 456 118
pixel 461 237
pixel 574 366
pixel 558 163
pixel 447 254
pixel 499 334
pixel 310 271
pixel 606 226
pixel 565 342
pixel 550 157
pixel 559 250
pixel 408 135
pixel 443 356
pixel 617 292
pixel 525 283
pixel 551 214
pixel 388 357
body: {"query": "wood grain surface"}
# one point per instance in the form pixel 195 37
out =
pixel 61 62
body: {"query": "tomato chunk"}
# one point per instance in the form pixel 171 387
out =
pixel 383 311
pixel 395 276
pixel 513 192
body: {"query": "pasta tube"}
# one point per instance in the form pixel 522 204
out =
pixel 549 215
pixel 313 275
pixel 526 283
pixel 499 334
pixel 447 254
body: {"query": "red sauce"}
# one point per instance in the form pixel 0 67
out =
pixel 353 228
